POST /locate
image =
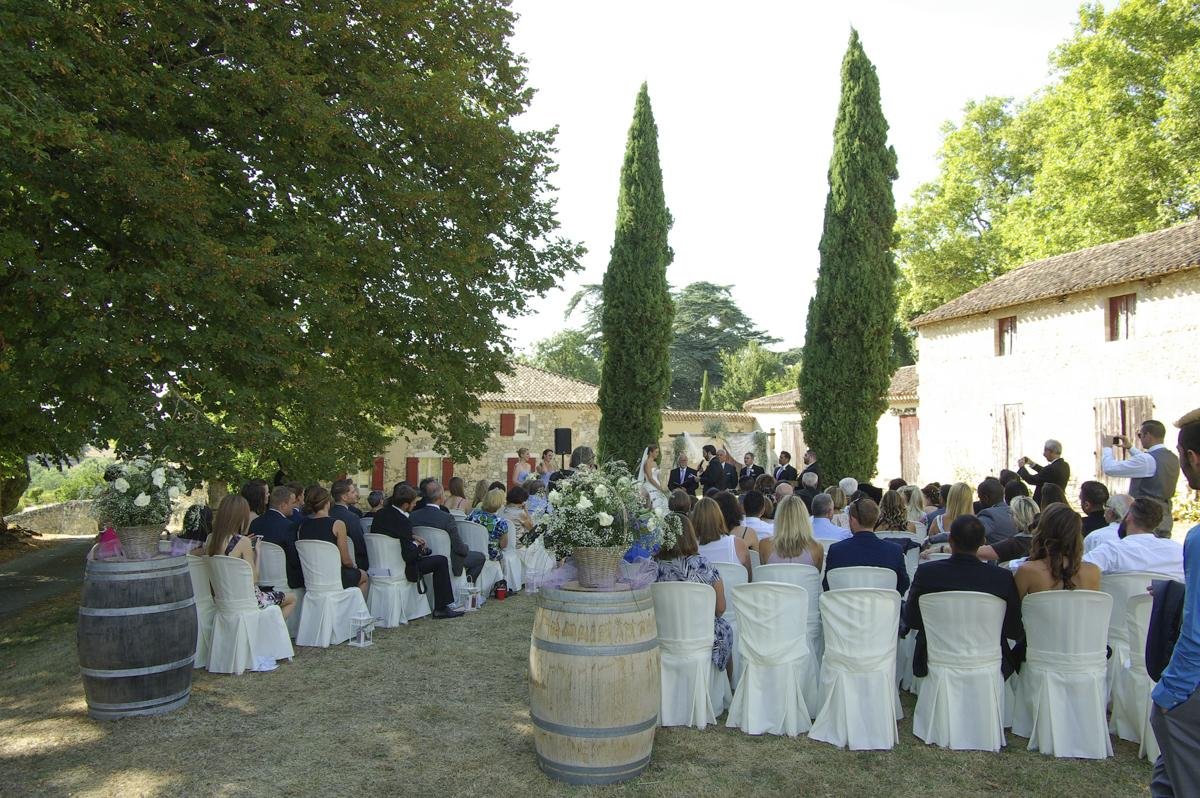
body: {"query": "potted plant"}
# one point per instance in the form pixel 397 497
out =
pixel 136 503
pixel 596 515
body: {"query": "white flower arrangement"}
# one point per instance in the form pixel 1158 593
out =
pixel 603 508
pixel 139 493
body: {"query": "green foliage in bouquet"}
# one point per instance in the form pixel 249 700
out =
pixel 138 493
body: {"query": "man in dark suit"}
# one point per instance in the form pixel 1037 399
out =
pixel 864 547
pixel 712 474
pixel 996 516
pixel 394 520
pixel 1055 471
pixel 785 471
pixel 683 477
pixel 432 513
pixel 965 571
pixel 1092 498
pixel 345 494
pixel 275 526
pixel 729 466
pixel 810 463
pixel 750 469
pixel 808 489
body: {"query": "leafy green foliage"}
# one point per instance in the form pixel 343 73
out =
pixel 706 396
pixel 567 353
pixel 49 484
pixel 637 310
pixel 847 355
pixel 279 230
pixel 749 372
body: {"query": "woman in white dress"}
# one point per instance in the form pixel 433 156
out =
pixel 647 477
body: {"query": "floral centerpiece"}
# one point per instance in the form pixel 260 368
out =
pixel 136 503
pixel 596 515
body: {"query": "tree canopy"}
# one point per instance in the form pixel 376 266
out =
pixel 271 228
pixel 568 353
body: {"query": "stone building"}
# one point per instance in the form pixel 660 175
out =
pixel 1073 347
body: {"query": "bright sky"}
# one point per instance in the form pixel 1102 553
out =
pixel 745 97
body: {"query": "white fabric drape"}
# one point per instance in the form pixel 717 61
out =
pixel 809 578
pixel 206 610
pixel 272 570
pixel 858 671
pixel 693 691
pixel 1130 718
pixel 1060 696
pixel 328 607
pixel 393 599
pixel 732 574
pixel 778 666
pixel 962 632
pixel 242 632
pixel 1121 587
pixel 856 576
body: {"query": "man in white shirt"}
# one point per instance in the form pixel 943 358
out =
pixel 823 528
pixel 753 505
pixel 1114 510
pixel 1153 472
pixel 1140 550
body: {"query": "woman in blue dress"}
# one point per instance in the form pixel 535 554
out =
pixel 682 562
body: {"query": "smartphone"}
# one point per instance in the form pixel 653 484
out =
pixel 1116 441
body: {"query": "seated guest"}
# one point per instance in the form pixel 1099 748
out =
pixel 849 486
pixel 964 571
pixel 731 511
pixel 255 493
pixel 320 525
pixel 514 510
pixel 197 523
pixel 896 484
pixel 995 516
pixel 716 544
pixel 374 502
pixel 394 521
pixel 958 502
pixel 893 515
pixel 497 527
pixel 680 501
pixel 581 457
pixel 683 562
pixel 275 526
pixel 432 513
pixel 1140 550
pixel 932 494
pixel 1056 555
pixel 229 538
pixel 793 540
pixel 839 517
pixel 481 489
pixel 765 484
pixel 783 489
pixel 1092 498
pixel 1007 475
pixel 867 489
pixel 536 505
pixel 297 502
pixel 1024 513
pixel 1115 510
pixel 1014 489
pixel 457 500
pixel 745 484
pixel 914 504
pixel 822 524
pixel 345 496
pixel 754 504
pixel 1051 494
pixel 864 547
pixel 808 488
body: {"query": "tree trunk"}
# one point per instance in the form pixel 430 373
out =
pixel 217 490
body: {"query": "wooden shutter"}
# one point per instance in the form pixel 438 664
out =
pixel 1014 442
pixel 377 474
pixel 447 469
pixel 508 424
pixel 412 467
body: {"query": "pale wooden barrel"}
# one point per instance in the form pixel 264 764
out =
pixel 136 636
pixel 594 684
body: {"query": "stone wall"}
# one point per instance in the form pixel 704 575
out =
pixel 64 518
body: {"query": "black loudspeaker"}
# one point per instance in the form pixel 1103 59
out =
pixel 562 440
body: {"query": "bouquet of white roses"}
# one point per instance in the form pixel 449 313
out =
pixel 604 508
pixel 139 493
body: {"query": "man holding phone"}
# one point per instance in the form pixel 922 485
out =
pixel 1153 470
pixel 1056 471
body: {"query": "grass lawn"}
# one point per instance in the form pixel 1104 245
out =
pixel 439 708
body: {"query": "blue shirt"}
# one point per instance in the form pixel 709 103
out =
pixel 1182 675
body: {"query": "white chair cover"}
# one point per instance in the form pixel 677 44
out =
pixel 1121 587
pixel 1060 696
pixel 755 562
pixel 242 632
pixel 912 556
pixel 476 537
pixel 1130 718
pixel 366 522
pixel 328 607
pixel 393 599
pixel 778 677
pixel 439 544
pixel 858 672
pixel 809 578
pixel 272 571
pixel 855 576
pixel 206 610
pixel 537 562
pixel 693 691
pixel 961 705
pixel 825 544
pixel 732 574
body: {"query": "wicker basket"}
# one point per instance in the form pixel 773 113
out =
pixel 139 542
pixel 598 567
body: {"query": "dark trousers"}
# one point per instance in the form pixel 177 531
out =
pixel 436 565
pixel 1177 771
pixel 473 563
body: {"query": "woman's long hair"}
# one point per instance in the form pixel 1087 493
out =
pixel 708 521
pixel 793 528
pixel 1059 541
pixel 893 513
pixel 232 518
pixel 959 502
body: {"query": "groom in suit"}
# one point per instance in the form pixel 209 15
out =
pixel 712 475
pixel 683 477
pixel 785 471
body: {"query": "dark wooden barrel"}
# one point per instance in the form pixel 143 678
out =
pixel 136 636
pixel 594 684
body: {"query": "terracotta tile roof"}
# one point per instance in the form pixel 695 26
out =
pixel 1148 255
pixel 705 415
pixel 903 386
pixel 528 386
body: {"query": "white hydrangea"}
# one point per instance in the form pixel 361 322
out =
pixel 120 485
pixel 660 512
pixel 173 492
pixel 624 482
pixel 584 503
pixel 601 491
pixel 158 476
pixel 554 496
pixel 142 500
pixel 604 518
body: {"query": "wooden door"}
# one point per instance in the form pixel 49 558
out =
pixel 909 449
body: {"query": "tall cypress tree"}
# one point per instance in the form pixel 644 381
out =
pixel 637 310
pixel 846 369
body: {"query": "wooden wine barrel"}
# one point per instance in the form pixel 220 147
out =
pixel 594 684
pixel 136 636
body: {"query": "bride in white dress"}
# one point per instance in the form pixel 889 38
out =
pixel 647 477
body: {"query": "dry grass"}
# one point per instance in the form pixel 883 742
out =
pixel 439 708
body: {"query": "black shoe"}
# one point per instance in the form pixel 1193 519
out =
pixel 447 613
